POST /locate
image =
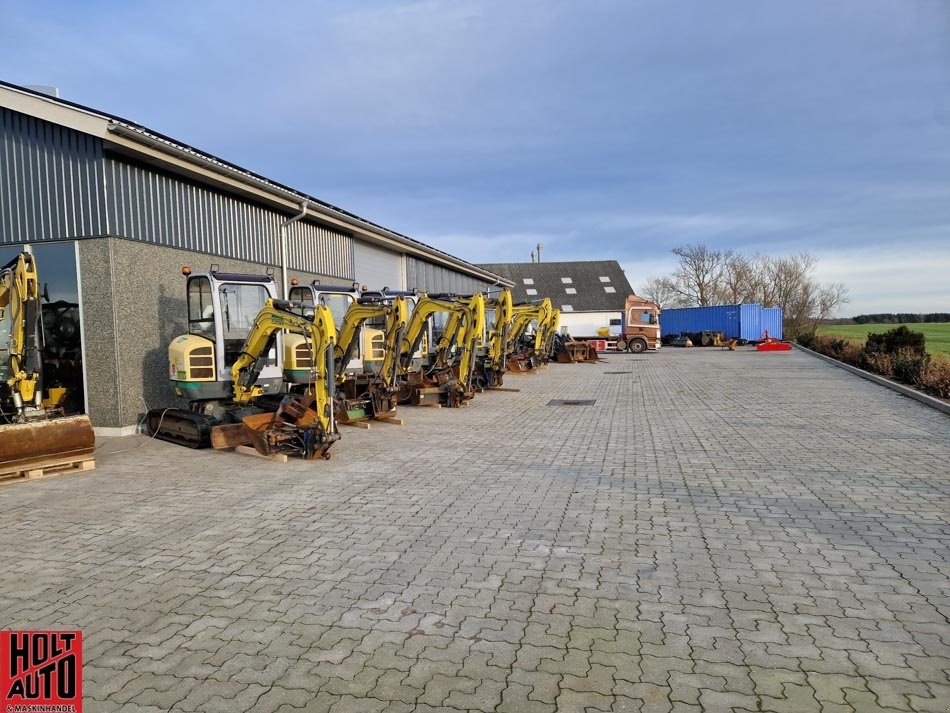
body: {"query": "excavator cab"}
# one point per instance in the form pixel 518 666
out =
pixel 221 310
pixel 338 299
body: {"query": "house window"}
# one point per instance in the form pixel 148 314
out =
pixel 609 289
pixel 528 281
pixel 531 291
pixel 567 308
pixel 604 279
pixel 567 280
pixel 570 290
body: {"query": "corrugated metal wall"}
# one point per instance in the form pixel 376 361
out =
pixel 50 181
pixel 772 321
pixel 167 210
pixel 426 277
pixel 56 183
pixel 378 268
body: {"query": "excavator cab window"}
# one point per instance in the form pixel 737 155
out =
pixel 240 304
pixel 301 294
pixel 200 307
pixel 338 303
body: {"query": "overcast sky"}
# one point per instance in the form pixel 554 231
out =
pixel 601 129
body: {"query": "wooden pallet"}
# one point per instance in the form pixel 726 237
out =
pixel 251 451
pixel 47 469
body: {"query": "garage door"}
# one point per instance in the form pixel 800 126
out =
pixel 378 268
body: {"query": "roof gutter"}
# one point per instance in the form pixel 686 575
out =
pixel 317 208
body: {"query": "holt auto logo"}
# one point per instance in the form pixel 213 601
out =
pixel 41 671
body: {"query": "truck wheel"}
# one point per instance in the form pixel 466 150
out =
pixel 637 346
pixel 621 345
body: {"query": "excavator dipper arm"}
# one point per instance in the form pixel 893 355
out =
pixel 304 424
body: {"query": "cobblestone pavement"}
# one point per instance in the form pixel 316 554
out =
pixel 721 531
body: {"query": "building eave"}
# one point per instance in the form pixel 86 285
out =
pixel 133 140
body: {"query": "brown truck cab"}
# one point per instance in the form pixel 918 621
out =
pixel 641 326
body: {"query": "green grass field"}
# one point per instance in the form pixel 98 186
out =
pixel 937 333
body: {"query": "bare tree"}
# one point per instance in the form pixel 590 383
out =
pixel 705 277
pixel 698 273
pixel 660 292
pixel 829 299
pixel 738 280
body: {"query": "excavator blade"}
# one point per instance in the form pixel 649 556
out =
pixel 33 442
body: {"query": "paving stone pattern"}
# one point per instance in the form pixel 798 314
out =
pixel 719 532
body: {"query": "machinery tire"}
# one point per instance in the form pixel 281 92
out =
pixel 636 346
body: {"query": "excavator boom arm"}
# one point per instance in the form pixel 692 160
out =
pixel 471 334
pixel 425 308
pixel 349 336
pixel 20 298
pixel 275 316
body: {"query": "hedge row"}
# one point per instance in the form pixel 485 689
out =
pixel 898 354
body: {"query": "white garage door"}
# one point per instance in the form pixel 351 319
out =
pixel 378 268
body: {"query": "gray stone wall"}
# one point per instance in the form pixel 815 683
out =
pixel 133 306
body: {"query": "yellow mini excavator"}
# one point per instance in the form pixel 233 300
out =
pixel 34 429
pixel 222 308
pixel 548 332
pixel 369 391
pixel 524 350
pixel 444 376
pixel 303 424
pixel 490 363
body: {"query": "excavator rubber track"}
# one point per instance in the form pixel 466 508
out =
pixel 180 426
pixel 33 442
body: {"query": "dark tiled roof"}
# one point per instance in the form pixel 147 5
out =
pixel 587 278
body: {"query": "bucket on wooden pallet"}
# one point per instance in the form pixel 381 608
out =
pixel 34 442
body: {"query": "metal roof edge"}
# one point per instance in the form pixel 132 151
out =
pixel 137 132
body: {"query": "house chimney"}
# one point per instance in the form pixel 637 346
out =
pixel 532 256
pixel 539 252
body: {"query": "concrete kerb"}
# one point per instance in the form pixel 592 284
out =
pixel 892 385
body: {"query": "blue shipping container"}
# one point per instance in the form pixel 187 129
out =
pixel 772 321
pixel 735 321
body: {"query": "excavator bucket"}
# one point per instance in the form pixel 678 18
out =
pixel 576 351
pixel 41 441
pixel 587 352
pixel 520 364
pixel 293 429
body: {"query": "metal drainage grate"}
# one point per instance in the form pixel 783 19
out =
pixel 572 402
pixel 618 372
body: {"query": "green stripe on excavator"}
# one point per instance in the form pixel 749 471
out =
pixel 191 384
